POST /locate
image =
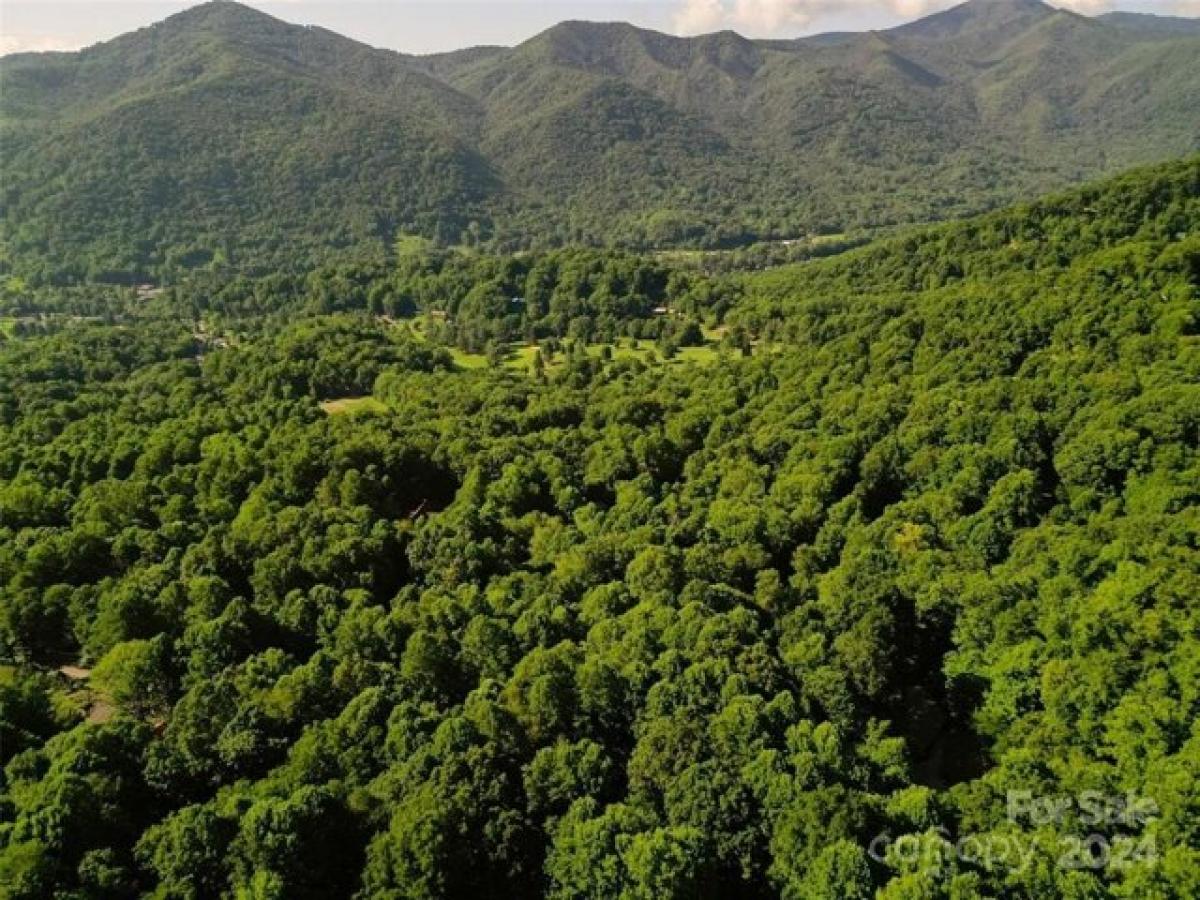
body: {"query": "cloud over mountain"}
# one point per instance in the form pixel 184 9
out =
pixel 764 18
pixel 783 18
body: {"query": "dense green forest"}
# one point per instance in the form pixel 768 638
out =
pixel 222 139
pixel 295 603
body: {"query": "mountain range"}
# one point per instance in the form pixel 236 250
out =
pixel 222 136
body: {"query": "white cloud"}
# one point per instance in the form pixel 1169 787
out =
pixel 1085 7
pixel 767 18
pixel 699 16
pixel 35 43
pixel 773 17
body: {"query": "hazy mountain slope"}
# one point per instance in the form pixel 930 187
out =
pixel 980 25
pixel 1165 26
pixel 608 130
pixel 964 109
pixel 224 134
pixel 990 100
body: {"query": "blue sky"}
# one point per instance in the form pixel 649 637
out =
pixel 418 26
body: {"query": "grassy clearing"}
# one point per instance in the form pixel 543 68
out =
pixel 701 355
pixel 693 258
pixel 344 405
pixel 624 349
pixel 820 240
pixel 465 360
pixel 518 357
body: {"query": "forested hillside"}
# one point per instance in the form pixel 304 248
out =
pixel 298 603
pixel 223 139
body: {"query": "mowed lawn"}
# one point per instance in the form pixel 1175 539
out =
pixel 518 357
pixel 344 405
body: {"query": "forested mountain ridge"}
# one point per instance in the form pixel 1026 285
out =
pixel 795 622
pixel 222 131
pixel 222 137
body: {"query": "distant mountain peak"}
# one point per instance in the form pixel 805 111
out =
pixel 1009 4
pixel 615 48
pixel 1007 7
pixel 224 19
pixel 978 16
pixel 221 13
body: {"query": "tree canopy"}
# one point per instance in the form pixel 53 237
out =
pixel 919 533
